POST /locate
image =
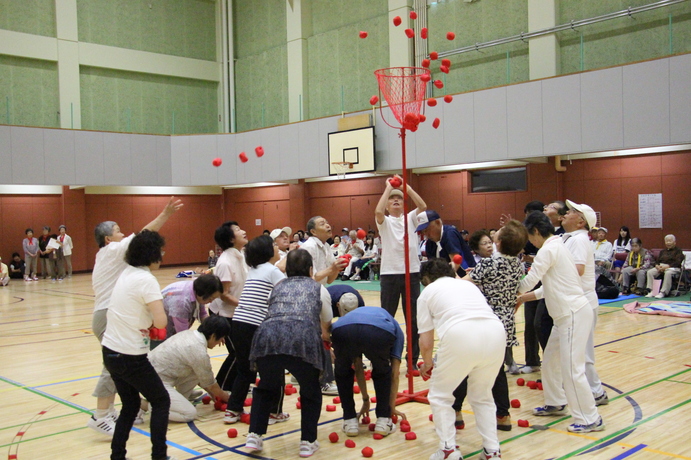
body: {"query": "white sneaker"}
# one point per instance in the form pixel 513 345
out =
pixel 384 426
pixel 308 448
pixel 661 295
pixel 649 295
pixel 529 369
pixel 278 418
pixel 254 442
pixel 140 417
pixel 350 427
pixel 330 389
pixel 195 395
pixel 232 417
pixel 441 454
pixel 105 425
pixel 355 278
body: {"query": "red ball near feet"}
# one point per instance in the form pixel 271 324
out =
pixel 394 418
pixel 366 420
pixel 373 399
pixel 377 436
pixel 431 417
pixel 206 399
pixel 520 382
pixel 350 443
pixel 367 452
pixel 232 433
pixel 405 428
pixel 245 418
pixel 337 400
pixel 248 402
pixel 515 403
pixel 330 408
pixel 371 426
pixel 523 423
pixel 411 436
pixel 356 390
pixel 333 437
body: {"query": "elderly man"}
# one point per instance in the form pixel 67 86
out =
pixel 355 247
pixel 463 319
pixel 556 211
pixel 444 241
pixel 183 363
pixel 668 264
pixel 344 296
pixel 110 263
pixel 392 270
pixel 603 250
pixel 281 237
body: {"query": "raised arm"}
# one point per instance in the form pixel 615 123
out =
pixel 171 208
pixel 417 199
pixel 380 210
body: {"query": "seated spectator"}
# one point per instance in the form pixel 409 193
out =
pixel 182 363
pixel 637 264
pixel 17 267
pixel 603 251
pixel 4 274
pixel 371 254
pixel 375 238
pixel 213 258
pixel 481 244
pixel 668 263
pixel 356 248
pixel 338 248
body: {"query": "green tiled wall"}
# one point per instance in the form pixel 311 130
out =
pixel 122 101
pixel 31 89
pixel 184 28
pixel 477 23
pixel 28 16
pixel 342 65
pixel 622 40
pixel 261 68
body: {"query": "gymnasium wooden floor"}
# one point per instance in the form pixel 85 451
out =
pixel 49 362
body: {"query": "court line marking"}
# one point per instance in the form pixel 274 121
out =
pixel 630 452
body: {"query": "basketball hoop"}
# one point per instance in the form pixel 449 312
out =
pixel 341 168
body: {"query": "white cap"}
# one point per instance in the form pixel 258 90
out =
pixel 347 303
pixel 587 211
pixel 277 232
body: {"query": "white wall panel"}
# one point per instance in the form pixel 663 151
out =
pixel 180 159
pixel 164 170
pixel 646 103
pixel 58 148
pixel 5 155
pixel 602 117
pixel 383 143
pixel 680 98
pixel 491 136
pixel 144 154
pixel 313 159
pixel 28 160
pixel 88 154
pixel 290 152
pixel 203 150
pixel 117 159
pixel 561 115
pixel 524 115
pixel 227 172
pixel 241 143
pixel 253 167
pixel 429 142
pixel 458 123
pixel 271 161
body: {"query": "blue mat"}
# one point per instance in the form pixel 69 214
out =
pixel 621 297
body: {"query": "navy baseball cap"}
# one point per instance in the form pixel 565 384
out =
pixel 424 218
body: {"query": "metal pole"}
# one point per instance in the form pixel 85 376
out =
pixel 406 252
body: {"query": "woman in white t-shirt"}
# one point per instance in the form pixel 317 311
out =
pixel 261 254
pixel 135 304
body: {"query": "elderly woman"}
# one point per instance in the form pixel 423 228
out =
pixel 481 244
pixel 569 308
pixel 637 264
pixel 291 338
pixel 136 305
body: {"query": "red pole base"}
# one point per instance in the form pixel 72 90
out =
pixel 418 396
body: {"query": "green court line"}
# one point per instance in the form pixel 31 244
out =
pixel 47 419
pixel 45 395
pixel 679 381
pixel 623 430
pixel 42 437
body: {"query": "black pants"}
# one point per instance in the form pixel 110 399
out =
pixel 352 341
pixel 134 374
pixel 500 393
pixel 228 371
pixel 543 323
pixel 393 288
pixel 242 339
pixel 271 368
pixel 532 345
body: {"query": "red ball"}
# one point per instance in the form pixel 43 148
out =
pixel 217 405
pixel 248 402
pixel 405 428
pixel 373 399
pixel 539 386
pixel 425 77
pixel 217 162
pixel 431 417
pixel 259 151
pixel 333 437
pixel 330 408
pixel 458 259
pixel 245 418
pixel 368 373
pixel 367 452
pixel 363 34
pixel 373 100
pixel 446 62
pixel 420 363
pixel 423 118
pixel 361 234
pixel 425 63
pixel 405 422
pixel 532 384
pixel 523 423
pixel 395 183
pixel 397 21
pixel 232 433
pixel 520 382
pixel 450 35
pixel 206 399
pixel 435 123
pixel 366 420
pixel 515 403
pixel 356 390
pixel 371 426
pixel 431 102
pixel 243 157
pixel 434 55
pixel 410 33
pixel 413 15
pixel 394 418
pixel 337 400
pixel 439 84
pixel 411 436
pixel 378 436
pixel 444 68
pixel 288 385
pixel 224 407
pixel 423 33
pixel 298 405
pixel 448 98
pixel 350 443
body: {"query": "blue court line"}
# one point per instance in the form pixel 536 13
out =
pixel 23 321
pixel 641 333
pixel 66 381
pixel 629 452
pixel 225 448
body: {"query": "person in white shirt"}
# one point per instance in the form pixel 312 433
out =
pixel 570 310
pixel 136 305
pixel 232 271
pixel 463 319
pixel 182 363
pixel 110 263
pixel 65 242
pixel 392 269
pixel 356 249
pixel 4 274
pixel 603 250
pixel 281 237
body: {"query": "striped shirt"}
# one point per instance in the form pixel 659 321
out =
pixel 254 300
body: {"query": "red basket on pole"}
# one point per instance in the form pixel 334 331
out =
pixel 404 91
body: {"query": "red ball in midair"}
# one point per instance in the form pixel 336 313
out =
pixel 434 55
pixel 413 15
pixel 450 35
pixel 425 63
pixel 439 84
pixel 423 33
pixel 373 100
pixel 448 98
pixel 410 33
pixel 444 68
pixel 361 234
pixel 425 77
pixel 363 34
pixel 397 21
pixel 435 123
pixel 243 157
pixel 217 162
pixel 259 151
pixel 446 62
pixel 458 259
pixel 431 102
